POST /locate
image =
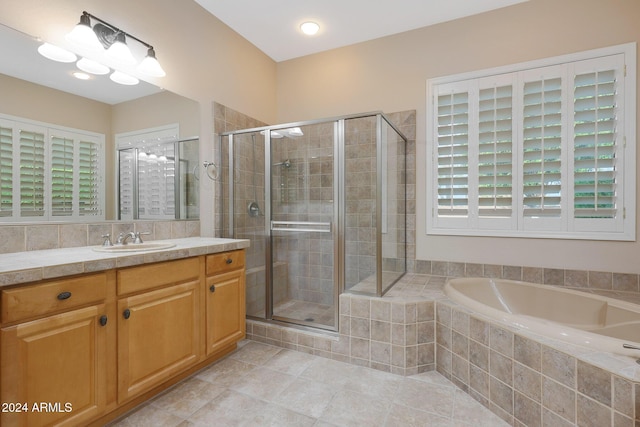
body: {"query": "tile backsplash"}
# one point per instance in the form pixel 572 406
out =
pixel 32 237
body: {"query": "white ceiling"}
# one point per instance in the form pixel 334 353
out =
pixel 273 25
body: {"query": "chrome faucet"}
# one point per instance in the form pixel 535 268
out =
pixel 122 237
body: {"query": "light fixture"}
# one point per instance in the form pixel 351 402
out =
pixel 83 36
pixel 56 53
pixel 309 28
pixel 81 76
pixel 295 132
pixel 106 36
pixel 91 66
pixel 119 51
pixel 150 65
pixel 123 79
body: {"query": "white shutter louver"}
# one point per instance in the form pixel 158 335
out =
pixel 453 154
pixel 127 160
pixel 595 145
pixel 88 179
pixel 495 140
pixel 61 176
pixel 32 173
pixel 6 171
pixel 542 148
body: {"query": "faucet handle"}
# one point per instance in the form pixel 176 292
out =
pixel 107 240
pixel 138 239
pixel 120 238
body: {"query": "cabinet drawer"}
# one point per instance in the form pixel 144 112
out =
pixel 52 296
pixel 225 261
pixel 151 276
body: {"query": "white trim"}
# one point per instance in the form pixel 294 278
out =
pixel 566 226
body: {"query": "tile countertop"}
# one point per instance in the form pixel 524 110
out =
pixel 24 267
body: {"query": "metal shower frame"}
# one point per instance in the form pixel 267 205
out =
pixel 338 226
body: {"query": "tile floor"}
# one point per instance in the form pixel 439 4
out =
pixel 262 385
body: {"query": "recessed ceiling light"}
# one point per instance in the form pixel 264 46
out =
pixel 309 28
pixel 81 76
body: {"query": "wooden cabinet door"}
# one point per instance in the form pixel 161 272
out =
pixel 158 336
pixel 55 368
pixel 225 306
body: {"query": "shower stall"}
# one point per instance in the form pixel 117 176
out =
pixel 324 205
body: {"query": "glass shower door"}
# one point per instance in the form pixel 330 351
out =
pixel 303 211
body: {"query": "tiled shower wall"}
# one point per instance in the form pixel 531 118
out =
pixel 360 191
pixel 361 185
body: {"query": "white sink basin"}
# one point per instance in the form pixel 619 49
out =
pixel 135 247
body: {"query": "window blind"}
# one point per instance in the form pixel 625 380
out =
pixel 89 179
pixel 595 145
pixel 125 184
pixel 542 147
pixel 61 176
pixel 453 153
pixel 495 140
pixel 32 173
pixel 6 171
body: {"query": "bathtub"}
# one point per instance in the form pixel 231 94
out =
pixel 600 323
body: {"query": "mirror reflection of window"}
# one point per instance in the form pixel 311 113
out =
pixel 156 176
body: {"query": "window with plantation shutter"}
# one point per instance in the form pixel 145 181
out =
pixel 61 176
pixel 595 145
pixel 453 153
pixel 495 151
pixel 31 165
pixel 6 171
pixel 49 173
pixel 542 149
pixel 89 179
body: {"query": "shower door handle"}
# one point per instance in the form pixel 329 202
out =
pixel 306 226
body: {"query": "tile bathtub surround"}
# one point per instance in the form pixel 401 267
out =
pixel 33 237
pixel 601 282
pixel 389 335
pixel 260 385
pixel 526 382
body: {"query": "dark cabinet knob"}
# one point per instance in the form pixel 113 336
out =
pixel 64 295
pixel 126 313
pixel 212 288
pixel 229 261
pixel 103 320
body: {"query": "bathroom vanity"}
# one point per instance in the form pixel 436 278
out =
pixel 81 349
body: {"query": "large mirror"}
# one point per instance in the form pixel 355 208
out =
pixel 42 91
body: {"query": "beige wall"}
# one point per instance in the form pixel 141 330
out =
pixel 27 100
pixel 390 74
